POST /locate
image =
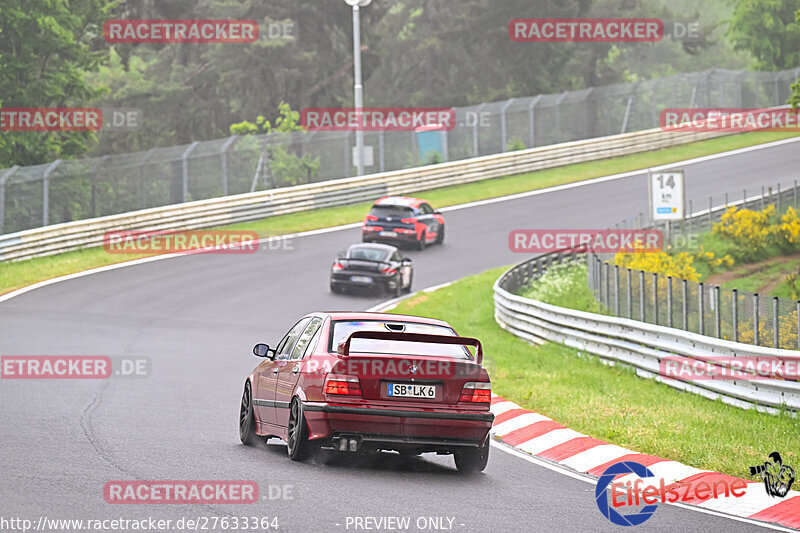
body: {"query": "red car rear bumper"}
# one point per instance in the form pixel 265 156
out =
pixel 441 427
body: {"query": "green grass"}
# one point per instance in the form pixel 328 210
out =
pixel 22 273
pixel 609 403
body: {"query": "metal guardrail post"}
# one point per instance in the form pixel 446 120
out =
pixel 794 193
pixel 762 197
pixel 503 133
pixel 3 179
pixel 717 324
pixel 46 191
pixel 655 298
pixel 669 301
pixel 616 290
pixel 185 169
pixel 642 314
pixel 775 329
pixel 744 198
pixel 630 296
pixel 755 319
pixel 779 198
pixel 224 161
pixel 735 314
pixel 710 207
pixel 701 308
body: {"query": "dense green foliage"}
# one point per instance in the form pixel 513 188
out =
pixel 415 52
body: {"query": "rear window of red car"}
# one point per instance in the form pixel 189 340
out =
pixel 382 211
pixel 341 329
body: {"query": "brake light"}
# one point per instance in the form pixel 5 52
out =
pixel 408 220
pixel 389 270
pixel 476 391
pixel 338 266
pixel 342 384
pixel 371 218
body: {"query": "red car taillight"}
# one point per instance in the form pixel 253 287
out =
pixel 389 271
pixel 371 218
pixel 341 384
pixel 476 391
pixel 338 266
pixel 408 220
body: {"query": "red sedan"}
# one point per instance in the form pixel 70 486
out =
pixel 371 381
pixel 403 220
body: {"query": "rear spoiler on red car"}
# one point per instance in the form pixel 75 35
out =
pixel 344 347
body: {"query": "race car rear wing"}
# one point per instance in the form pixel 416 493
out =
pixel 344 347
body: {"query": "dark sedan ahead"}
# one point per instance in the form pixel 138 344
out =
pixel 372 266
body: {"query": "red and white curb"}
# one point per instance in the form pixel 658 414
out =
pixel 545 438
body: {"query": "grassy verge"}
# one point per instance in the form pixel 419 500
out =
pixel 609 403
pixel 22 273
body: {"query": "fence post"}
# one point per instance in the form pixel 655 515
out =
pixel 3 179
pixel 616 290
pixel 717 313
pixel 775 336
pixel 475 130
pixel 185 169
pixel 710 205
pixel 655 298
pixel 445 148
pixel 794 193
pixel 744 198
pixel 599 267
pixel 630 296
pixel 46 191
pixel 797 312
pixel 726 201
pixel 224 162
pixel 762 197
pixel 627 113
pixel 642 314
pixel 608 285
pixel 503 133
pixel 532 124
pixel 669 301
pixel 685 304
pixel 755 319
pixel 735 314
pixel 779 199
pixel 701 307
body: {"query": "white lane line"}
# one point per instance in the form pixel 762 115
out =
pixel 23 290
pixel 504 428
pixel 548 440
pixel 594 457
pixel 561 470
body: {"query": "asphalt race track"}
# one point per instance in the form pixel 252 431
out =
pixel 197 317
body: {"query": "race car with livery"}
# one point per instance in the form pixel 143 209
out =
pixel 372 266
pixel 356 381
pixel 403 220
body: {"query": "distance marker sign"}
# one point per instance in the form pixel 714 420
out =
pixel 667 195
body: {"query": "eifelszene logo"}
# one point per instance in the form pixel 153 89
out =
pixel 778 477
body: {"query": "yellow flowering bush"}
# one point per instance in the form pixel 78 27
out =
pixel 677 266
pixel 713 262
pixel 752 232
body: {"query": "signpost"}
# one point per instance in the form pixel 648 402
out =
pixel 667 197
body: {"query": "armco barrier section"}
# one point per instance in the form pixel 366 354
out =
pixel 637 344
pixel 252 206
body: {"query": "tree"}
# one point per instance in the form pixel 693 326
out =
pixel 46 47
pixel 275 160
pixel 768 29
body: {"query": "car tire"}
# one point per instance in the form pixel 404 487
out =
pixel 247 420
pixel 336 289
pixel 472 460
pixel 440 237
pixel 410 283
pixel 398 285
pixel 422 241
pixel 297 443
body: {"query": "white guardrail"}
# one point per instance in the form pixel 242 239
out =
pixel 215 212
pixel 637 344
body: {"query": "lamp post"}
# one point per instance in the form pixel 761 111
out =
pixel 358 88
